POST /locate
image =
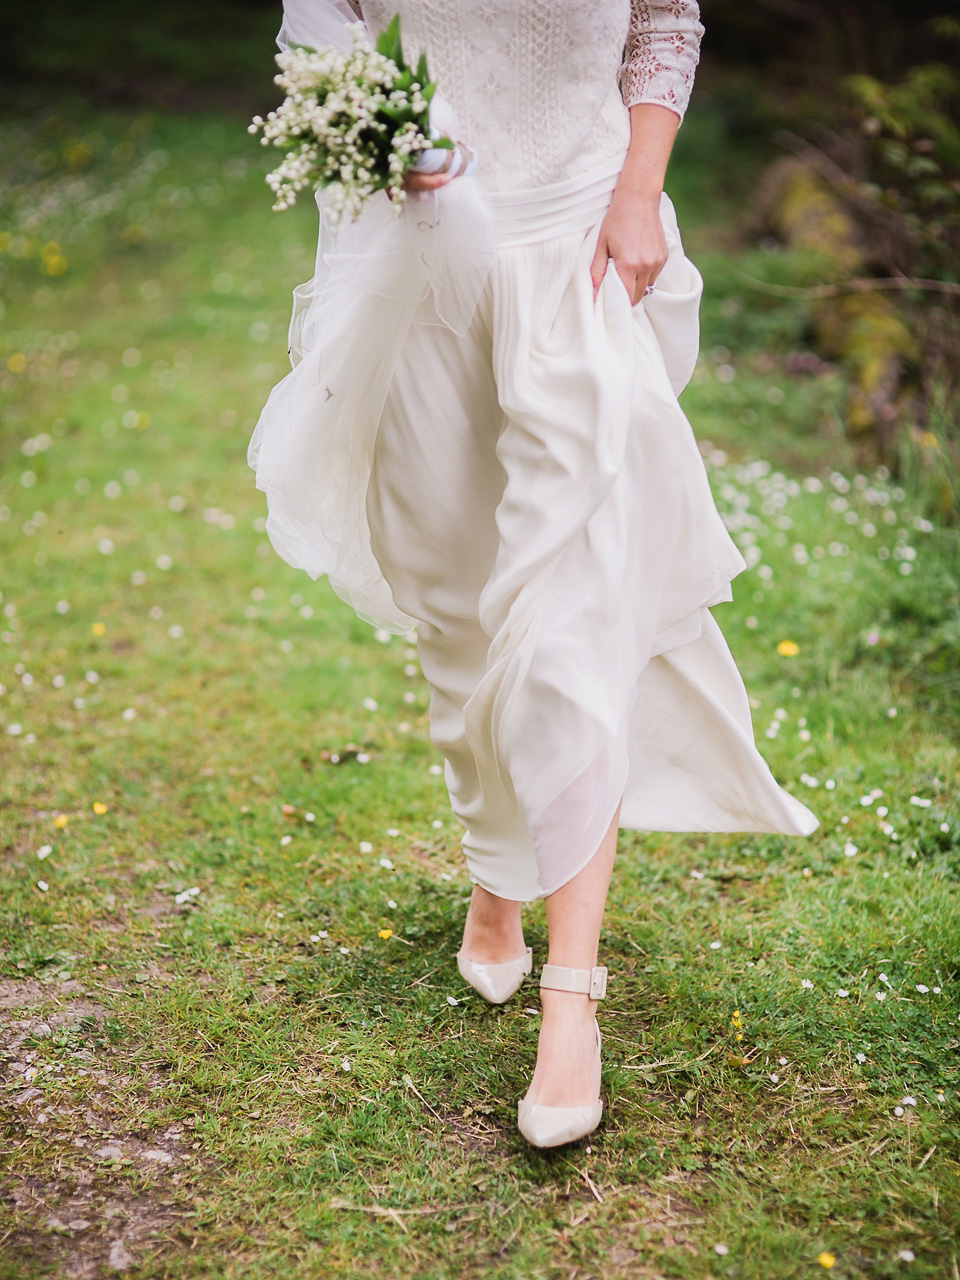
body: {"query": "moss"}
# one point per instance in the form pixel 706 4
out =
pixel 861 330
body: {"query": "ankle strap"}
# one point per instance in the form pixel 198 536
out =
pixel 587 982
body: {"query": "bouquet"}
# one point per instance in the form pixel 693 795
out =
pixel 355 121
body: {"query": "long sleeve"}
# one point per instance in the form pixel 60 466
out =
pixel 663 49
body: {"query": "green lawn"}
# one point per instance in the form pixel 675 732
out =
pixel 235 1040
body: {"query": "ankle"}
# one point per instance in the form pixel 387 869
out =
pixel 567 1006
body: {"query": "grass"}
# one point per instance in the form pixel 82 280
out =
pixel 215 1062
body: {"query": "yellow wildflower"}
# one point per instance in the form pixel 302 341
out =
pixel 100 808
pixel 788 648
pixel 826 1260
pixel 386 933
pixel 60 821
pixel 99 629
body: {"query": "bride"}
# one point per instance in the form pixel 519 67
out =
pixel 480 437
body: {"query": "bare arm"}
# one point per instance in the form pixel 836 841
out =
pixel 631 233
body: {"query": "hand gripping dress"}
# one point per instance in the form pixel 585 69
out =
pixel 486 453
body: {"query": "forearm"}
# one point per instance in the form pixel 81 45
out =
pixel 652 132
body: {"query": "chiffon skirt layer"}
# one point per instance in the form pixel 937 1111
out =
pixel 537 503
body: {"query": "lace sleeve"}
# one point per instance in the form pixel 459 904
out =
pixel 663 48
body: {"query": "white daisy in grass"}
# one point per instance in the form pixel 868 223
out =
pixel 806 984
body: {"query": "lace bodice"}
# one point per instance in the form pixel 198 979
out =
pixel 541 87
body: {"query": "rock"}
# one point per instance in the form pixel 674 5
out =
pixel 161 1157
pixel 78 1224
pixel 109 1153
pixel 120 1259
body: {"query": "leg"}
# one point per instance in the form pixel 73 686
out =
pixel 568 1066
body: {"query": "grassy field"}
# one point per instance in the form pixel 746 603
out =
pixel 235 1042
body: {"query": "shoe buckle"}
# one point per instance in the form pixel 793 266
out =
pixel 598 982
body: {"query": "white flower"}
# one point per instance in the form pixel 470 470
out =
pixel 345 1064
pixel 696 875
pixel 42 886
pixel 386 863
pixel 908 1101
pixel 715 946
pixel 344 951
pixel 721 1249
pixel 45 851
pixel 922 989
pixel 898 1111
pixel 882 977
pixel 842 993
pixel 850 849
pixel 774 1077
pixel 452 1000
pixel 285 840
pixel 881 995
pixel 906 1255
pixel 366 846
pixel 806 984
pixel 861 1057
pixel 371 704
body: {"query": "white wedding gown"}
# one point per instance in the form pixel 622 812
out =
pixel 524 486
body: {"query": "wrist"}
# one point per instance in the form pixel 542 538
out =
pixel 638 191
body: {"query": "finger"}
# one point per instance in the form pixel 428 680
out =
pixel 631 281
pixel 598 267
pixel 646 279
pixel 426 181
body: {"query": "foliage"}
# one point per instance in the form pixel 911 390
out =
pixel 910 164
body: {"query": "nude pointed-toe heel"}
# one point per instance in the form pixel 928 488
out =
pixel 496 982
pixel 552 1126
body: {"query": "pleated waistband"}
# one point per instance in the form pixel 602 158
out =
pixel 542 213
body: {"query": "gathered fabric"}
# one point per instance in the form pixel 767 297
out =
pixel 473 445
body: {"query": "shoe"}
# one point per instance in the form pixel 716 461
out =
pixel 496 982
pixel 552 1126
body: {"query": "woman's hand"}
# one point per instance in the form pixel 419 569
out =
pixel 425 181
pixel 632 237
pixel 631 234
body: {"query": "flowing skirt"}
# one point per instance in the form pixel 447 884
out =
pixel 532 496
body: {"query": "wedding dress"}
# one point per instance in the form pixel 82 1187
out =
pixel 469 443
